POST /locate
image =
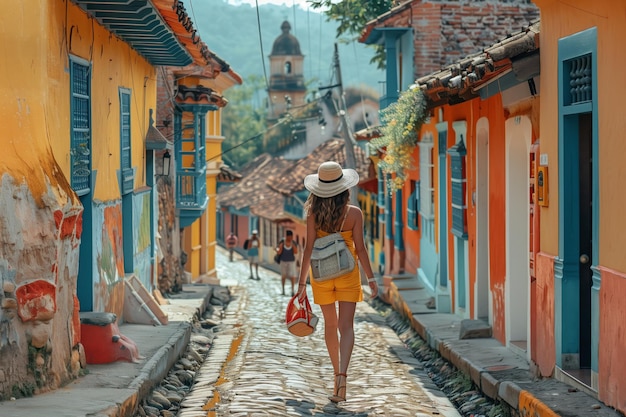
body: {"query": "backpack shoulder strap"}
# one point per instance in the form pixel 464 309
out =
pixel 344 220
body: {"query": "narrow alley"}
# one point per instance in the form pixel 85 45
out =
pixel 267 371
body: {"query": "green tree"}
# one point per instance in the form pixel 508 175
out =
pixel 244 122
pixel 352 16
pixel 245 128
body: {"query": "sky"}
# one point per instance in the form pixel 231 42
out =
pixel 302 3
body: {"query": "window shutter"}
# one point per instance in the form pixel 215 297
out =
pixel 80 154
pixel 459 189
pixel 128 175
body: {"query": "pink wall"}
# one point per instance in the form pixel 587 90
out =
pixel 611 364
pixel 545 354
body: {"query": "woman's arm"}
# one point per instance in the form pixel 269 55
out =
pixel 361 251
pixel 311 234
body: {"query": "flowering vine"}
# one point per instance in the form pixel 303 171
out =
pixel 401 122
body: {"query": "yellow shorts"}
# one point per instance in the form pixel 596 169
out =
pixel 344 288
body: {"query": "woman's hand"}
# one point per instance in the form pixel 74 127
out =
pixel 301 291
pixel 374 287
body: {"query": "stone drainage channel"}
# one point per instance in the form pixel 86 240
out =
pixel 193 385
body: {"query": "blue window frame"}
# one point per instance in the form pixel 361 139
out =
pixel 381 187
pixel 458 183
pixel 80 123
pixel 413 206
pixel 126 169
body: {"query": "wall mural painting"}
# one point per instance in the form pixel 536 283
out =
pixel 142 238
pixel 110 259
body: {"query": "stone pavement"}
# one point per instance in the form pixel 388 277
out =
pixel 266 371
pixel 256 368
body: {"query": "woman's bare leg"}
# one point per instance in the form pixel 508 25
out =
pixel 346 332
pixel 330 334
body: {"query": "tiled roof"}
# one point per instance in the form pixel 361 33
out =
pixel 227 174
pixel 460 81
pixel 266 181
pixel 292 179
pixel 252 190
pixel 380 20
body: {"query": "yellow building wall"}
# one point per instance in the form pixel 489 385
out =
pixel 200 238
pixel 36 40
pixel 214 161
pixel 114 65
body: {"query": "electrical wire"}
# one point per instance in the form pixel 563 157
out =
pixel 289 118
pixel 267 85
pixel 358 76
pixel 293 9
pixel 308 30
pixel 193 13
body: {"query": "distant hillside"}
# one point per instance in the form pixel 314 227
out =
pixel 232 33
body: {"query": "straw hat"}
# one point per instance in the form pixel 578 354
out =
pixel 331 180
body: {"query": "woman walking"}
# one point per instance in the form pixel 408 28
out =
pixel 328 211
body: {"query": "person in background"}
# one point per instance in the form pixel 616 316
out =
pixel 327 211
pixel 253 253
pixel 231 243
pixel 287 251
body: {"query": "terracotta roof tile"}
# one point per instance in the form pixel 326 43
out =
pixel 227 174
pixel 266 181
pixel 292 180
pixel 252 190
pixel 459 81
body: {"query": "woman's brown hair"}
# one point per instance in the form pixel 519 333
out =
pixel 327 212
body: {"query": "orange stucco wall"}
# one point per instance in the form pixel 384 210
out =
pixel 560 20
pixel 497 213
pixel 411 237
pixel 471 112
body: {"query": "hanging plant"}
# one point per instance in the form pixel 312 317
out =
pixel 401 121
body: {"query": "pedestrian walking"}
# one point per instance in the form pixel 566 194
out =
pixel 327 211
pixel 252 247
pixel 287 252
pixel 231 244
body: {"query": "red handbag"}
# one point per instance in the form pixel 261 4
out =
pixel 299 317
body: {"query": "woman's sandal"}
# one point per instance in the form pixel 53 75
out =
pixel 339 388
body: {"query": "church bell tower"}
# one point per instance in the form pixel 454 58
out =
pixel 286 86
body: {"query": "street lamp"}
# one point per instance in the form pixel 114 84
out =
pixel 165 168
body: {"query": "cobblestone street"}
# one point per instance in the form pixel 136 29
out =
pixel 257 368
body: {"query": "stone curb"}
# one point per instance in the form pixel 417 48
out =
pixel 160 364
pixel 529 405
pixel 509 392
pixel 155 369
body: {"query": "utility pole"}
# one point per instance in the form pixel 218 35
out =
pixel 347 136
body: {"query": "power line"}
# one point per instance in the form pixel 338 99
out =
pixel 267 86
pixel 288 118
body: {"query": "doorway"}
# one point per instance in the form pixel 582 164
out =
pixel 480 201
pixel 578 250
pixel 517 284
